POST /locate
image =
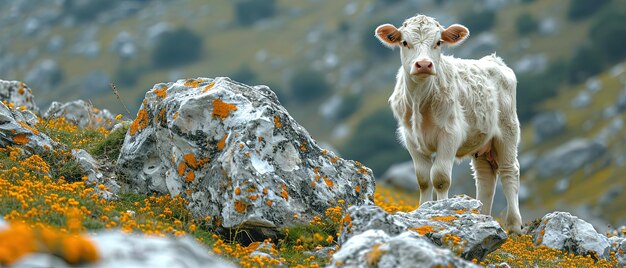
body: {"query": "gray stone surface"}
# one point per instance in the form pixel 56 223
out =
pixel 82 113
pixel 569 157
pixel 618 245
pixel 452 223
pixel 17 129
pixel 547 125
pixel 119 249
pixel 97 174
pixel 562 231
pixel 19 94
pixel 376 248
pixel 237 156
pixel 401 175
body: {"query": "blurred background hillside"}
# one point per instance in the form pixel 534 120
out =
pixel 334 77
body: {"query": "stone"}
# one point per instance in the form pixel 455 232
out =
pixel 549 26
pixel 547 125
pixel 610 195
pixel 120 249
pixel 124 45
pixel 19 94
pixel 561 185
pixel 55 44
pixel 82 113
pixel 562 231
pixel 534 63
pixel 45 75
pixel 569 157
pixel 582 100
pixel 401 175
pixel 97 175
pixel 621 101
pixel 593 84
pixel 618 245
pixel 376 248
pixel 237 156
pixel 610 132
pixel 17 129
pixel 453 223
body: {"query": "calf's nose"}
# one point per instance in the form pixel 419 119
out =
pixel 424 65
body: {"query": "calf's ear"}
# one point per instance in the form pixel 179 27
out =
pixel 455 34
pixel 388 35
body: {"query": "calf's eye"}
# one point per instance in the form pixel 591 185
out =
pixel 439 43
pixel 404 43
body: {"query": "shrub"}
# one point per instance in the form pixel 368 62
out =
pixel 608 35
pixel 177 47
pixel 247 12
pixel 109 147
pixel 374 142
pixel 87 10
pixel 308 85
pixel 526 24
pixel 586 62
pixel 479 21
pixel 534 88
pixel 580 9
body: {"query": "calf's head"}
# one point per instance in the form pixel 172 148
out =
pixel 420 39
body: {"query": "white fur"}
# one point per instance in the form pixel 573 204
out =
pixel 466 108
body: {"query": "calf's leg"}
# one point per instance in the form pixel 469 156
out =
pixel 508 168
pixel 486 180
pixel 422 165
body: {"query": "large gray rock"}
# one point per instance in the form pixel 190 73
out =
pixel 562 231
pixel 98 174
pixel 82 113
pixel 401 175
pixel 119 249
pixel 547 125
pixel 376 248
pixel 569 157
pixel 17 129
pixel 19 94
pixel 237 156
pixel 453 223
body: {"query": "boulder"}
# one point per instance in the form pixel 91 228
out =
pixel 569 157
pixel 17 129
pixel 237 156
pixel 453 223
pixel 82 113
pixel 97 174
pixel 562 231
pixel 119 249
pixel 547 125
pixel 19 94
pixel 582 100
pixel 401 175
pixel 376 248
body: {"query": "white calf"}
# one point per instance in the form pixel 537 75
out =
pixel 453 108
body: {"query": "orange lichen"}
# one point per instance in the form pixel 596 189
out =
pixel 237 191
pixel 175 115
pixel 422 230
pixel 328 182
pixel 460 211
pixel 240 207
pixel 26 126
pixel 21 89
pixel 253 197
pixel 209 86
pixel 264 190
pixel 191 83
pixel 140 122
pixel 268 203
pixel 181 169
pixel 284 192
pixel 277 122
pixel 190 176
pixel 373 257
pixel 312 184
pixel 222 109
pixel 190 159
pixel 357 188
pixel 20 139
pixel 444 218
pixel 475 211
pixel 334 159
pixel 161 93
pixel 222 142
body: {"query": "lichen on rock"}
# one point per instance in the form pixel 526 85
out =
pixel 250 170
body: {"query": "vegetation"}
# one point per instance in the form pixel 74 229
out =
pixel 308 85
pixel 580 9
pixel 247 12
pixel 479 21
pixel 526 24
pixel 177 47
pixel 109 147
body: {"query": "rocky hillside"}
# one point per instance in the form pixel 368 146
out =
pixel 215 173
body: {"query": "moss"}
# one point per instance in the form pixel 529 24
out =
pixel 109 147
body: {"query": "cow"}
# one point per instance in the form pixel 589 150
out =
pixel 449 108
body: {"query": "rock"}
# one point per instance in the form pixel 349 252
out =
pixel 611 131
pixel 593 84
pixel 401 175
pixel 96 82
pixel 19 94
pixel 527 160
pixel 548 124
pixel 45 75
pixel 610 195
pixel 82 113
pixel 534 63
pixel 621 102
pixel 98 175
pixel 119 249
pixel 484 43
pixel 329 108
pixel 452 223
pixel 582 100
pixel 55 44
pixel 569 157
pixel 561 185
pixel 549 26
pixel 237 156
pixel 618 245
pixel 17 129
pixel 124 45
pixel 376 248
pixel 562 231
